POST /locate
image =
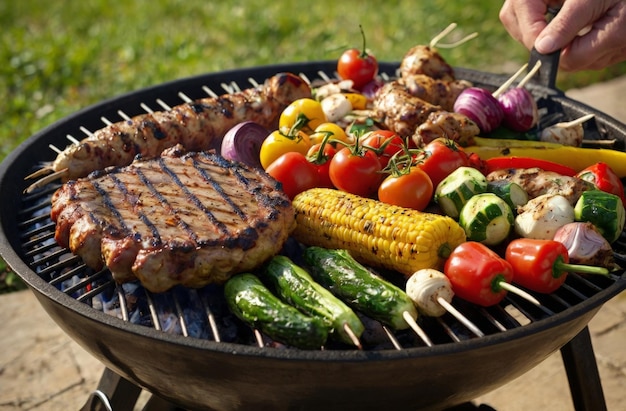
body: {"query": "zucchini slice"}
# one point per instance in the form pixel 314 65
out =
pixel 604 210
pixel 457 188
pixel 487 218
pixel 512 193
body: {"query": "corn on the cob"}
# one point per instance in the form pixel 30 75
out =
pixel 375 233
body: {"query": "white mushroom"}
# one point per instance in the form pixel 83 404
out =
pixel 425 287
pixel 336 107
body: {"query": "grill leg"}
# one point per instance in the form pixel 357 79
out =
pixel 113 393
pixel 582 372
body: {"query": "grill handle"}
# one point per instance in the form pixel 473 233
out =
pixel 546 75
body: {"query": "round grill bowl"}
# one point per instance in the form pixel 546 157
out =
pixel 202 374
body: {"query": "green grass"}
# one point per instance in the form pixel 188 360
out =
pixel 60 56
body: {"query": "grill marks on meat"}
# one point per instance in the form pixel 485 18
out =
pixel 198 125
pixel 438 92
pixel 410 116
pixel 426 60
pixel 189 219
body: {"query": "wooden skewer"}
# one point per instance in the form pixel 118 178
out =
pixel 510 81
pixel 518 291
pixel 418 330
pixel 435 40
pixel 575 122
pixel 530 74
pixel 44 180
pixel 457 314
pixel 514 77
pixel 352 335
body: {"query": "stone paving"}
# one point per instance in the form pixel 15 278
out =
pixel 42 369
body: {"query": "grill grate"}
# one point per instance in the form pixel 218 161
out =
pixel 202 313
pixel 135 333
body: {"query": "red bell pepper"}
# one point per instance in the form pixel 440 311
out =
pixel 543 265
pixel 604 178
pixel 476 273
pixel 503 163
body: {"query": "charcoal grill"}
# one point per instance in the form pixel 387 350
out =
pixel 186 349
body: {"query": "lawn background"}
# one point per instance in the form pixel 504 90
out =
pixel 57 57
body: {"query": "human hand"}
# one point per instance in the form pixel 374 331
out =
pixel 590 34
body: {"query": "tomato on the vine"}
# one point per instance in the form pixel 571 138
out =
pixel 440 157
pixel 304 113
pixel 295 172
pixel 412 189
pixel 278 143
pixel 357 65
pixel 386 143
pixel 321 158
pixel 356 171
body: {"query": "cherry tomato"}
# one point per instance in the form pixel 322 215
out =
pixel 411 190
pixel 295 172
pixel 357 65
pixel 305 112
pixel 334 131
pixel 386 143
pixel 356 172
pixel 278 143
pixel 604 178
pixel 321 161
pixel 441 157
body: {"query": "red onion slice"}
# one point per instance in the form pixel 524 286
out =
pixel 519 108
pixel 480 106
pixel 243 142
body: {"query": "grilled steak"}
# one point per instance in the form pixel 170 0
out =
pixel 181 218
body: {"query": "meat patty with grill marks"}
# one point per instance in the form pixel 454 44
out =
pixel 182 218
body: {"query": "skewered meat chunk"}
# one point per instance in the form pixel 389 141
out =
pixel 189 219
pixel 536 182
pixel 197 125
pixel 438 92
pixel 410 116
pixel 426 60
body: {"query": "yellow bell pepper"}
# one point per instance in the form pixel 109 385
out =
pixel 577 158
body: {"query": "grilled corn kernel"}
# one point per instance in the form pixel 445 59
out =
pixel 375 233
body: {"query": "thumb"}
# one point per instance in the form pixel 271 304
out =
pixel 564 27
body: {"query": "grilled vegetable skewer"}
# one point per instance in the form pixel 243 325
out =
pixel 196 125
pixel 431 291
pixel 479 275
pixel 543 265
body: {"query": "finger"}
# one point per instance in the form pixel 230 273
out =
pixel 572 19
pixel 603 45
pixel 524 23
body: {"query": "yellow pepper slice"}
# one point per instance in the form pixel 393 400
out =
pixel 577 158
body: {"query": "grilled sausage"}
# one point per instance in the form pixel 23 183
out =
pixel 197 125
